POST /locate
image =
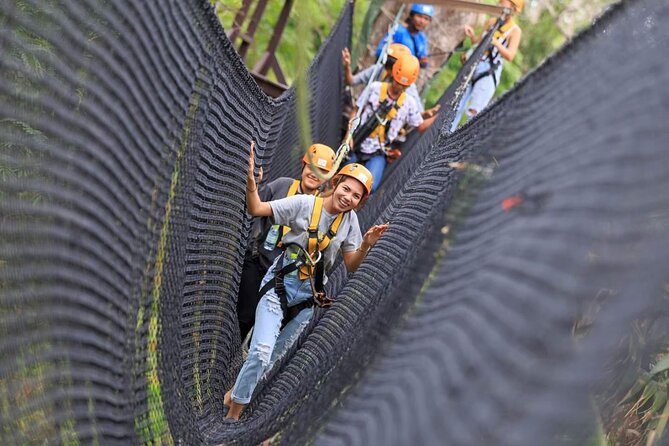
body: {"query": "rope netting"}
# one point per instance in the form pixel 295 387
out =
pixel 521 248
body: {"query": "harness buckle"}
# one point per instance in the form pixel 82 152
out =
pixel 308 260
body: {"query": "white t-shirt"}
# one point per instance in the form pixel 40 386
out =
pixel 407 114
pixel 295 212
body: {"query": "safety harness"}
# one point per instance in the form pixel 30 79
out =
pixel 381 128
pixel 493 55
pixel 283 230
pixel 309 263
pixel 379 120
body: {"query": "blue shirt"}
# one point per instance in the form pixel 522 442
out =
pixel 417 43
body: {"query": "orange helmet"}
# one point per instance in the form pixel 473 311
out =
pixel 518 4
pixel 397 49
pixel 359 172
pixel 406 69
pixel 322 156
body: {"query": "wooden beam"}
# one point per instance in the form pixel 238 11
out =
pixel 463 5
pixel 239 20
pixel 251 30
pixel 268 60
pixel 271 88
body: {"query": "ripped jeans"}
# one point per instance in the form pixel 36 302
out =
pixel 476 97
pixel 269 342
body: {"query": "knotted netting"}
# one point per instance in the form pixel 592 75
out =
pixel 125 135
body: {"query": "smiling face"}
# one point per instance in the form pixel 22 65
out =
pixel 309 181
pixel 420 21
pixel 347 195
pixel 396 89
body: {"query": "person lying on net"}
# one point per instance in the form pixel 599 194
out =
pixel 387 109
pixel 319 229
pixel 395 50
pixel 488 72
pixel 265 242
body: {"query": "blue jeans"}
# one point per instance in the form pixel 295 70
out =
pixel 269 341
pixel 476 98
pixel 376 166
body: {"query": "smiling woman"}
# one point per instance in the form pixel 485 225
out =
pixel 319 229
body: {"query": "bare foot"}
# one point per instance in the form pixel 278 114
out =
pixel 235 410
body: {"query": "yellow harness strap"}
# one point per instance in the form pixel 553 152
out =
pixel 292 190
pixel 314 244
pixel 385 75
pixel 502 33
pixel 380 130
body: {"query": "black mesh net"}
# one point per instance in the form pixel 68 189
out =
pixel 522 249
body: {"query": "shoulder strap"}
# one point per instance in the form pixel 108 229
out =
pixel 283 230
pixel 292 190
pixel 332 232
pixel 399 103
pixel 312 231
pixel 380 130
pixel 383 94
pixel 312 234
pixel 314 245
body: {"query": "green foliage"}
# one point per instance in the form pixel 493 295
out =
pixel 321 15
pixel 647 403
pixel 539 40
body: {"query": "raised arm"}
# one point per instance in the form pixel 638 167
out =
pixel 469 32
pixel 353 259
pixel 255 205
pixel 346 61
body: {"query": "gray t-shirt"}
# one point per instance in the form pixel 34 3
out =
pixel 295 212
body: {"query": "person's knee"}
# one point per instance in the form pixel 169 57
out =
pixel 262 353
pixel 273 303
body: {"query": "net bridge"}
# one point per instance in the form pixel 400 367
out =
pixel 524 250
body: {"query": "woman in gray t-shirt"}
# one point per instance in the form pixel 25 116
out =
pixel 351 185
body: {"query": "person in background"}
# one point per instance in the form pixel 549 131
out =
pixel 378 132
pixel 265 239
pixel 488 72
pixel 411 34
pixel 395 50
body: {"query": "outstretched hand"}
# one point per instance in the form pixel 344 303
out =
pixel 251 183
pixel 374 233
pixel 346 57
